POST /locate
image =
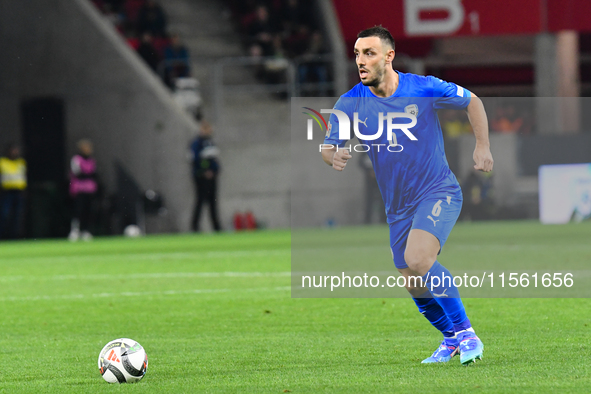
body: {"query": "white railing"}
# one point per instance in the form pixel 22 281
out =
pixel 287 72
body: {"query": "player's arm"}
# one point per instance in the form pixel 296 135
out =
pixel 477 116
pixel 335 158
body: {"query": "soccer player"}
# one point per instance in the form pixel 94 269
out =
pixel 422 196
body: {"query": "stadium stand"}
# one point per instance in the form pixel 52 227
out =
pixel 279 30
pixel 145 27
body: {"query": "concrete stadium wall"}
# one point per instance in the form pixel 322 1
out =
pixel 66 49
pixel 254 139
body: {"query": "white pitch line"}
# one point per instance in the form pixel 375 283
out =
pixel 138 294
pixel 157 256
pixel 160 275
pixel 511 248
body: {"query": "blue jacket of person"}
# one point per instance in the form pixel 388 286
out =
pixel 177 58
pixel 205 156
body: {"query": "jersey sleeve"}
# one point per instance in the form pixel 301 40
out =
pixel 448 95
pixel 332 131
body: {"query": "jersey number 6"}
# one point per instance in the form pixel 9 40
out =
pixel 436 208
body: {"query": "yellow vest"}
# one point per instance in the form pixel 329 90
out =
pixel 13 174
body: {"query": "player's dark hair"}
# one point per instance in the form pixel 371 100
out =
pixel 378 31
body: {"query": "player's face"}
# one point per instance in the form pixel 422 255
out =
pixel 371 57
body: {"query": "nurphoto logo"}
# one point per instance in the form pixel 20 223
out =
pixel 391 119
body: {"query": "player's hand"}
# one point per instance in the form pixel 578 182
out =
pixel 339 160
pixel 483 158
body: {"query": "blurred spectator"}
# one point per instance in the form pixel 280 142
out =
pixel 293 14
pixel 261 31
pixel 83 189
pixel 281 29
pixel 133 40
pixel 176 57
pixel 506 120
pixel 132 9
pixel 311 69
pixel 13 173
pixel 147 51
pixel 115 5
pixel 298 41
pixel 143 23
pixel 454 124
pixel 270 70
pixel 151 19
pixel 275 68
pixel 478 196
pixel 206 169
pixel 256 52
pixel 114 17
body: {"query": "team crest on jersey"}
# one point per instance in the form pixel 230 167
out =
pixel 328 129
pixel 412 109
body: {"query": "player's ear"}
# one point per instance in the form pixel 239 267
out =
pixel 390 55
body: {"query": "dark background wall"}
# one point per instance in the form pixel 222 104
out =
pixel 64 50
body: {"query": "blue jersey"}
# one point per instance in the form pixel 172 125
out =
pixel 407 170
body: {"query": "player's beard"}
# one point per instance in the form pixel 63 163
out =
pixel 378 73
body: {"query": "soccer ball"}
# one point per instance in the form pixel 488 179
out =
pixel 132 231
pixel 123 361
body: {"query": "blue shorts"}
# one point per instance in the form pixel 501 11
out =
pixel 436 215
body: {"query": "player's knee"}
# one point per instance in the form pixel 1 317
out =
pixel 412 282
pixel 413 288
pixel 419 260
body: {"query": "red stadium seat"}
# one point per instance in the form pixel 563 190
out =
pixel 133 42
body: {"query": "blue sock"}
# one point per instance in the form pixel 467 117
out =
pixel 439 282
pixel 429 307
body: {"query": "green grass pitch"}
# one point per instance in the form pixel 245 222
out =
pixel 215 314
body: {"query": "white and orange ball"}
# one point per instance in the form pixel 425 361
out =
pixel 123 361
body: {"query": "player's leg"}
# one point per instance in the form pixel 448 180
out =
pixel 421 256
pixel 213 208
pixel 85 216
pixel 199 200
pixel 421 296
pixel 11 216
pixel 19 209
pixel 432 225
pixel 75 229
pixel 4 211
pixel 430 308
